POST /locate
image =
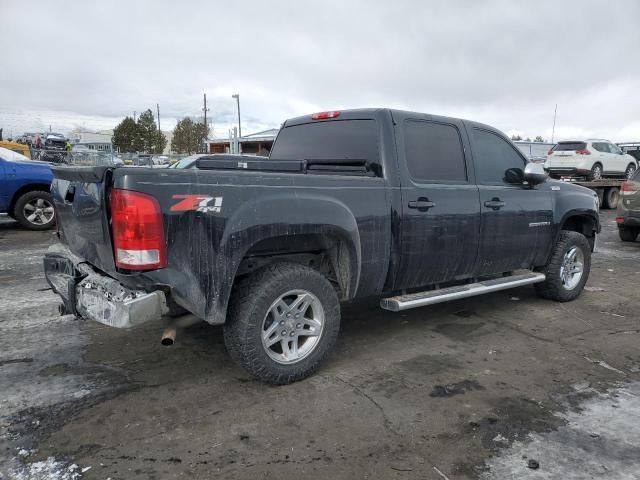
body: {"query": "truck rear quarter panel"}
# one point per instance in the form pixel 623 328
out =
pixel 206 247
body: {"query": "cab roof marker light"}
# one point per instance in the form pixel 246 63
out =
pixel 325 115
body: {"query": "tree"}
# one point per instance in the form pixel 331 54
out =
pixel 516 137
pixel 539 139
pixel 527 139
pixel 149 139
pixel 188 136
pixel 124 135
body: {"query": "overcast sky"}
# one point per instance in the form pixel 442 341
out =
pixel 78 63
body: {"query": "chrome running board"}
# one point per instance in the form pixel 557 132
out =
pixel 420 299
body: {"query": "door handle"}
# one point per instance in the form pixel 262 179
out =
pixel 422 204
pixel 494 203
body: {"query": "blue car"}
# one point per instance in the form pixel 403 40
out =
pixel 24 190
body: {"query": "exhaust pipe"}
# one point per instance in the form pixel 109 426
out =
pixel 170 332
pixel 168 336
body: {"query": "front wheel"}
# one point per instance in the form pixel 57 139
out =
pixel 631 169
pixel 283 321
pixel 568 268
pixel 34 210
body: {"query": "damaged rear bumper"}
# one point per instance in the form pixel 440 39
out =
pixel 93 295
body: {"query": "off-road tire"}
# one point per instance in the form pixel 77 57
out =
pixel 552 288
pixel 250 301
pixel 593 174
pixel 18 210
pixel 628 234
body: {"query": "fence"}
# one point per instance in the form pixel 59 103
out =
pixel 100 158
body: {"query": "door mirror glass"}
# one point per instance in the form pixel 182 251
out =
pixel 514 175
pixel 534 174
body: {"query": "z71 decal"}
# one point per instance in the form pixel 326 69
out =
pixel 197 203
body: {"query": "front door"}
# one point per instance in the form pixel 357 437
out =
pixel 517 220
pixel 440 221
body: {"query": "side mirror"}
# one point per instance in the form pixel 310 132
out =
pixel 514 176
pixel 534 174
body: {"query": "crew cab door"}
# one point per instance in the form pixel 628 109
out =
pixel 516 219
pixel 440 222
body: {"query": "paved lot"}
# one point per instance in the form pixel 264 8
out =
pixel 474 388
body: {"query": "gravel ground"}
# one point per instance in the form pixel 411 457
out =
pixel 477 388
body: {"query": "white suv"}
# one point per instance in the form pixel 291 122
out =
pixel 593 159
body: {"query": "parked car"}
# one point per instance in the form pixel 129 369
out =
pixel 628 215
pixel 415 208
pixel 24 190
pixel 593 159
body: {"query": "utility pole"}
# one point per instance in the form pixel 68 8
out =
pixel 206 126
pixel 134 115
pixel 553 130
pixel 237 97
pixel 205 110
pixel 158 107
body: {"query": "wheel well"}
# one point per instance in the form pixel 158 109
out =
pixel 583 224
pixel 327 254
pixel 32 187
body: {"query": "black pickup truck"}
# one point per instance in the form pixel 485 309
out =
pixel 414 208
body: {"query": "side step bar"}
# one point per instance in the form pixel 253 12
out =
pixel 420 299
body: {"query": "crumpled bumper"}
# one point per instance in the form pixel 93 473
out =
pixel 93 295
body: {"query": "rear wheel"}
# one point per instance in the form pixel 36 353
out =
pixel 568 268
pixel 628 234
pixel 612 196
pixel 596 172
pixel 283 321
pixel 34 210
pixel 631 169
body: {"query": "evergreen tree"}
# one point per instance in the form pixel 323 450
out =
pixel 188 136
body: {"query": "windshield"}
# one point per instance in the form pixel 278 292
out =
pixel 11 156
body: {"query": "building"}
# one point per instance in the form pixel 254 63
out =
pixel 99 141
pixel 258 143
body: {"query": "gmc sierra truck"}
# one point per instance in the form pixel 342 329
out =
pixel 413 208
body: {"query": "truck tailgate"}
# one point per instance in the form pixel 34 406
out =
pixel 81 201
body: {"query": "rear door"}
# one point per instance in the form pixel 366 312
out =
pixel 516 219
pixel 440 221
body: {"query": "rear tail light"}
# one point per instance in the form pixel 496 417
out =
pixel 325 115
pixel 550 151
pixel 583 151
pixel 628 188
pixel 619 220
pixel 138 231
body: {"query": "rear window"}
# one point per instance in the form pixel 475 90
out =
pixel 333 140
pixel 564 146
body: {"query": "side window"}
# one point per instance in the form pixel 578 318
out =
pixel 598 146
pixel 493 157
pixel 434 152
pixel 613 148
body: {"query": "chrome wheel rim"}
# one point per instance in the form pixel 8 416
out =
pixel 292 327
pixel 572 268
pixel 630 170
pixel 38 211
pixel 597 172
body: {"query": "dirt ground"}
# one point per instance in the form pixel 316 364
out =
pixel 475 388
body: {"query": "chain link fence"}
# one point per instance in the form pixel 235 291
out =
pixel 89 157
